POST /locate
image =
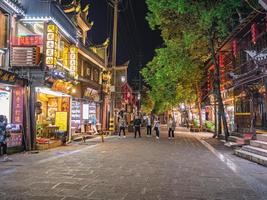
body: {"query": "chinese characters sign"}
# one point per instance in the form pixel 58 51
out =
pixel 73 60
pixel 17 106
pixel 29 40
pixel 52 45
pixel 7 77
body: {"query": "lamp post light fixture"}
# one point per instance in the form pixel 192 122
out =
pixel 123 79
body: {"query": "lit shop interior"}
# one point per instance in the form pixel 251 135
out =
pixel 52 112
pixel 11 101
pixel 82 116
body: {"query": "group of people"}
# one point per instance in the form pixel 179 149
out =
pixel 149 126
pixel 3 138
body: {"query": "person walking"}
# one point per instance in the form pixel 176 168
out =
pixel 157 127
pixel 171 127
pixel 148 126
pixel 122 125
pixel 137 126
pixel 3 137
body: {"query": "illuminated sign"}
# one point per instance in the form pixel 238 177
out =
pixel 7 77
pixel 51 45
pixel 17 111
pixel 73 58
pixel 29 40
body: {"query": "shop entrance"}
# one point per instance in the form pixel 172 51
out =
pixel 52 117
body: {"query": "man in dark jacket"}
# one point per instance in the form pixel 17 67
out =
pixel 3 137
pixel 137 125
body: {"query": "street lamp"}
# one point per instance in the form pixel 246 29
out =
pixel 123 79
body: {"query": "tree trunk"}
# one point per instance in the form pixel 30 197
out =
pixel 217 86
pixel 199 106
pixel 219 124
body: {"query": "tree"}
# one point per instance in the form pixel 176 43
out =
pixel 199 26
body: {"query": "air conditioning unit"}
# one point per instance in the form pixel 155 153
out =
pixel 25 56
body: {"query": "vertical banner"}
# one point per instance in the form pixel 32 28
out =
pixel 51 45
pixel 17 105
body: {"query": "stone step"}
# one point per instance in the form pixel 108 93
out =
pixel 231 144
pixel 262 137
pixel 258 143
pixel 256 150
pixel 238 140
pixel 252 157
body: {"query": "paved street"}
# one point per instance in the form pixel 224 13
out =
pixel 192 166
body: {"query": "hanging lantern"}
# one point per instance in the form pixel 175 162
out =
pixel 253 33
pixel 234 47
pixel 221 60
pixel 262 90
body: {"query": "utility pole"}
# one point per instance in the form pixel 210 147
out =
pixel 114 60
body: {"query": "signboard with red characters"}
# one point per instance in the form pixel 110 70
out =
pixel 28 40
pixel 14 140
pixel 17 106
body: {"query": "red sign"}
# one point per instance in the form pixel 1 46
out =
pixel 17 105
pixel 14 140
pixel 29 40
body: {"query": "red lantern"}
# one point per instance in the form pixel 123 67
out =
pixel 221 60
pixel 234 47
pixel 254 33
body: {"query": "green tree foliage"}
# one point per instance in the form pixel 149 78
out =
pixel 192 30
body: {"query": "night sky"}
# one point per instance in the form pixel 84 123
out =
pixel 136 41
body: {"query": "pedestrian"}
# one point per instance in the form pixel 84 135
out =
pixel 137 126
pixel 171 127
pixel 122 125
pixel 93 124
pixel 3 137
pixel 148 125
pixel 157 127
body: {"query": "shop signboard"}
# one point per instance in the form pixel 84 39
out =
pixel 7 77
pixel 73 60
pixel 51 45
pixel 17 106
pixel 62 121
pixel 29 40
pixel 14 140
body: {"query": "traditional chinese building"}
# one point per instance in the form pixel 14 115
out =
pixel 13 88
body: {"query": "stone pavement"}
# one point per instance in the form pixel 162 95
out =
pixel 192 166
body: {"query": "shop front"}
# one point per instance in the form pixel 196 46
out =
pixel 85 114
pixel 12 101
pixel 52 110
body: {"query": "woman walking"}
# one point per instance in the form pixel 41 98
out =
pixel 171 127
pixel 3 137
pixel 157 127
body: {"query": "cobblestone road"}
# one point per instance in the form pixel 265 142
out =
pixel 189 167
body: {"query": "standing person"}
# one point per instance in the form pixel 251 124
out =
pixel 157 127
pixel 122 125
pixel 148 125
pixel 171 127
pixel 137 126
pixel 93 123
pixel 3 137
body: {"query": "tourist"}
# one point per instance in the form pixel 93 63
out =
pixel 137 126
